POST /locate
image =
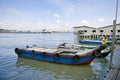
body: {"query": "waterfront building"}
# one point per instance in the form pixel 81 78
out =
pixel 86 32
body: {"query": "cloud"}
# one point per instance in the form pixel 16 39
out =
pixel 58 21
pixel 66 5
pixel 2 24
pixel 36 26
pixel 84 22
pixel 15 11
pixel 63 25
pixel 40 24
pixel 56 15
pixel 20 25
pixel 48 11
pixel 101 19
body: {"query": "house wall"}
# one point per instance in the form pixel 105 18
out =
pixel 107 30
pixel 84 30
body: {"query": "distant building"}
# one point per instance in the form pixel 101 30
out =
pixel 7 31
pixel 85 32
pixel 4 30
pixel 45 31
pixel 1 30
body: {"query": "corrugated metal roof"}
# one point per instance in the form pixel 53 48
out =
pixel 84 26
pixel 95 28
pixel 108 26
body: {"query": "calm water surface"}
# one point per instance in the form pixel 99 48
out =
pixel 14 68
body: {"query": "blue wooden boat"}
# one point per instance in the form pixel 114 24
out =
pixel 64 56
pixel 94 42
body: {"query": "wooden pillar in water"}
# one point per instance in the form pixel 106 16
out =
pixel 113 42
pixel 113 38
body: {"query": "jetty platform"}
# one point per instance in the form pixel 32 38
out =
pixel 114 73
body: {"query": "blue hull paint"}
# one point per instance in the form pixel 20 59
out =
pixel 62 58
pixel 93 42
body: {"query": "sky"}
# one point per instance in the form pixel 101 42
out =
pixel 35 15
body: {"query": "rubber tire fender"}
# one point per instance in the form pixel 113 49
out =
pixel 56 56
pixel 76 57
pixel 17 50
pixel 44 54
pixel 97 53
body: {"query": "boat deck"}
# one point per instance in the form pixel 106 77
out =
pixel 77 46
pixel 59 50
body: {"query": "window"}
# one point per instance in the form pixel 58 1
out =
pixel 118 30
pixel 93 30
pixel 85 30
pixel 81 32
pixel 101 30
pixel 117 35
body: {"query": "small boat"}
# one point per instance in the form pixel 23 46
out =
pixel 94 42
pixel 104 53
pixel 76 46
pixel 56 55
pixel 117 39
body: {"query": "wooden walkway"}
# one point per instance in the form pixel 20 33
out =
pixel 114 73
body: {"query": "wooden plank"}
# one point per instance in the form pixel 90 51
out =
pixel 114 73
pixel 118 76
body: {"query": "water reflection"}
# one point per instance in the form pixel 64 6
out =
pixel 54 71
pixel 100 66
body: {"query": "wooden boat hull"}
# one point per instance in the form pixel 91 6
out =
pixel 57 58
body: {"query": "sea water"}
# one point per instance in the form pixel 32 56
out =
pixel 13 67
